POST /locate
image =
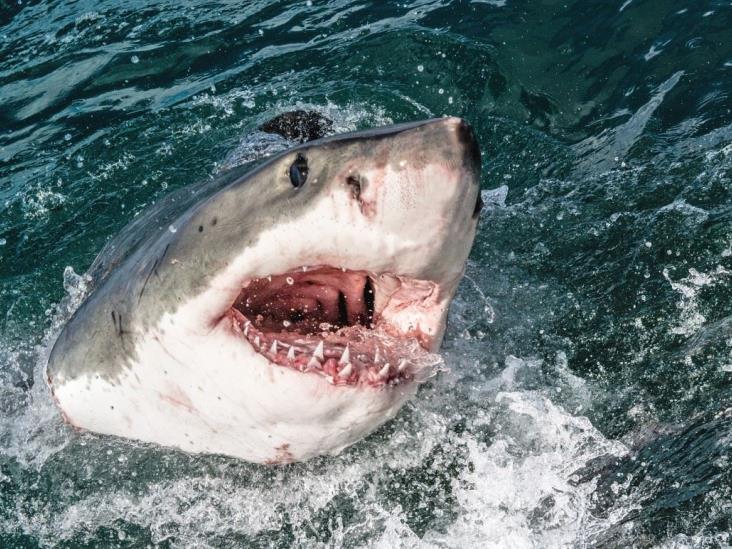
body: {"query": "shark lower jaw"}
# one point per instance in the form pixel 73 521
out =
pixel 352 327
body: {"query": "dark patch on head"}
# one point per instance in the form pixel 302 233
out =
pixel 466 136
pixel 200 228
pixel 214 221
pixel 299 125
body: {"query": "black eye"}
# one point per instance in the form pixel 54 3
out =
pixel 299 171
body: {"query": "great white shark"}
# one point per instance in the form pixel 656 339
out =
pixel 280 313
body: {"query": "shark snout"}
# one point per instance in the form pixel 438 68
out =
pixel 459 139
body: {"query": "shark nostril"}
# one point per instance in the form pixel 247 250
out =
pixel 354 183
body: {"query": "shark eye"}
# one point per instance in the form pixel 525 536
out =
pixel 299 171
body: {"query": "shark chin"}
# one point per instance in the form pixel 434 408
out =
pixel 282 312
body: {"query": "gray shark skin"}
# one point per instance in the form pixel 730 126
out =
pixel 174 279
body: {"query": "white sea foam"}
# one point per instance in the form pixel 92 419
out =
pixel 513 485
pixel 691 318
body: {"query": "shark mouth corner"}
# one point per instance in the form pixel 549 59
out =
pixel 351 327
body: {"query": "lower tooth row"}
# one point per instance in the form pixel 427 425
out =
pixel 317 357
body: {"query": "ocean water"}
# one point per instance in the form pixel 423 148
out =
pixel 587 401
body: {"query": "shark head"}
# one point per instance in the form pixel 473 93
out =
pixel 290 312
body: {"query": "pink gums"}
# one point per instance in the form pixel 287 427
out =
pixel 323 321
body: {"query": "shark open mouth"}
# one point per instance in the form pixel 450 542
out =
pixel 352 327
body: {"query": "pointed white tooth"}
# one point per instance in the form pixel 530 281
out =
pixel 318 352
pixel 345 357
pixel 291 353
pixel 377 358
pixel 384 371
pixel 345 371
pixel 402 364
pixel 273 347
pixel 246 328
pixel 314 362
pixel 256 342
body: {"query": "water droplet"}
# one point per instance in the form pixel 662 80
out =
pixel 172 229
pixel 67 137
pixel 440 91
pixel 420 68
pixel 135 60
pixel 3 242
pixel 290 280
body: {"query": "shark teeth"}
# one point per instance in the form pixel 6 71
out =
pixel 318 352
pixel 350 368
pixel 345 357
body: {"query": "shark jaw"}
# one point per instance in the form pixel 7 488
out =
pixel 282 322
pixel 350 327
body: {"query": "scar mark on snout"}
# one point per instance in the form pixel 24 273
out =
pixel 178 398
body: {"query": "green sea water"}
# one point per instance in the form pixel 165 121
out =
pixel 587 401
